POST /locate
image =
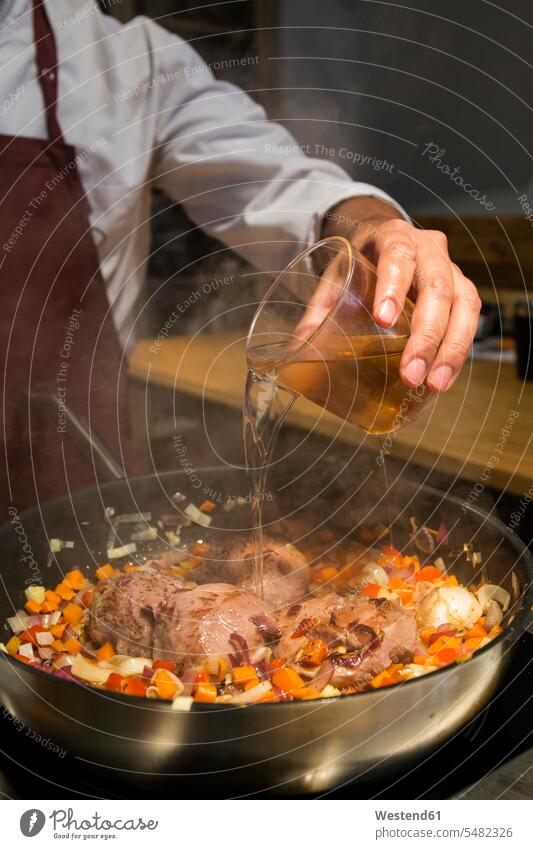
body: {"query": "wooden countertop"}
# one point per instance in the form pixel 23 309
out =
pixel 458 435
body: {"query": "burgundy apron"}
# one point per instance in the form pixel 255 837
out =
pixel 59 349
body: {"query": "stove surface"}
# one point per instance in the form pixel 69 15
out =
pixel 491 758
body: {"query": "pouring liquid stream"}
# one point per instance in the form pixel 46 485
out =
pixel 355 377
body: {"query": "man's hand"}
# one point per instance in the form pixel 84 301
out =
pixel 415 263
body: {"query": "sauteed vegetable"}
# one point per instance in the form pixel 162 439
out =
pixel 337 618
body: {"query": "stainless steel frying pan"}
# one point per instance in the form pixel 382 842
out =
pixel 292 747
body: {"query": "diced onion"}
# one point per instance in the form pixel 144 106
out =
pixel 55 546
pixel 440 564
pixel 197 516
pixel 26 650
pixel 127 665
pixel 130 518
pixel 173 538
pixel 182 703
pixel 122 551
pixel 95 673
pixel 68 543
pixel 35 594
pixel 46 653
pixel 252 695
pixel 488 592
pixel 147 535
pixel 18 623
pixel 64 660
pixel 44 638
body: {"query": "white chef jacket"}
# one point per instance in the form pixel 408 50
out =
pixel 140 105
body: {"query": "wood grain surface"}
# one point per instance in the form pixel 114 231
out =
pixel 475 421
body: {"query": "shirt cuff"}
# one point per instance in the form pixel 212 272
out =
pixel 345 192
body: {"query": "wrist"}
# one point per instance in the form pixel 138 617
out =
pixel 358 218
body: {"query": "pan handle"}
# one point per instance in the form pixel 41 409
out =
pixel 86 439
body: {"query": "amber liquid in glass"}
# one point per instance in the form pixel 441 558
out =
pixel 357 378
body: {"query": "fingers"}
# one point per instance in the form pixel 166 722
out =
pixel 436 293
pixel 459 335
pixel 397 256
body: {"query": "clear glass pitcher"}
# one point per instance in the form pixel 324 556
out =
pixel 314 335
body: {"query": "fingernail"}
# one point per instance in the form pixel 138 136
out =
pixel 415 371
pixel 441 378
pixel 387 311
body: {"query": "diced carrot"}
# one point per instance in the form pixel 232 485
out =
pixel 326 573
pixel 104 573
pixel 383 679
pixel 448 655
pixel 277 663
pixel 199 549
pixel 51 601
pixel 243 674
pixel 33 606
pixel 429 573
pixel 426 634
pixel 72 614
pixel 167 687
pixel 75 579
pixel 472 643
pixel 269 696
pixel 251 684
pixel 315 652
pixel 57 630
pixel 451 581
pixel 13 645
pixel 106 652
pixel 72 645
pixel 288 680
pixel 370 591
pixel 411 560
pixel 115 682
pixel 390 555
pixel 164 664
pixel 87 598
pixel 58 645
pixel 205 692
pixel 442 643
pixel 397 584
pixel 29 635
pixel 476 631
pixel 64 592
pixel 405 596
pixel 130 567
pixel 207 506
pixel 135 687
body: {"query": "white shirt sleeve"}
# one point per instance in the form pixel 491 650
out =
pixel 241 177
